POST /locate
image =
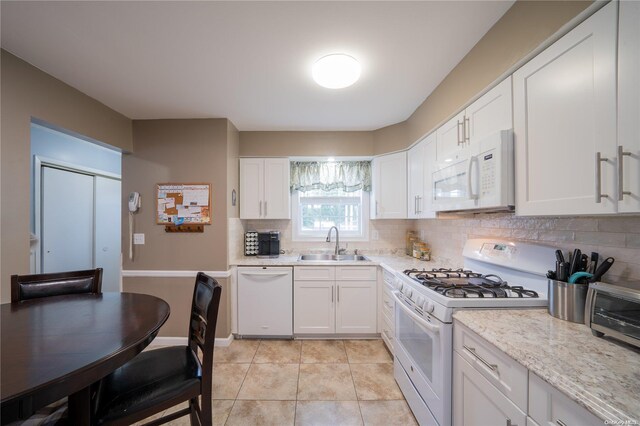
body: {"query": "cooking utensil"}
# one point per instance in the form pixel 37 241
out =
pixel 602 269
pixel 584 263
pixel 594 262
pixel 562 271
pixel 559 256
pixel 573 279
pixel 576 259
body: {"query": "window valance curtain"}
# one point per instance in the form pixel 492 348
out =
pixel 349 176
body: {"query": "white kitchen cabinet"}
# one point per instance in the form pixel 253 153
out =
pixel 386 317
pixel 335 300
pixel 420 162
pixel 476 402
pixel 550 407
pixel 489 114
pixel 565 122
pixel 628 154
pixel 265 305
pixel 389 181
pixel 264 188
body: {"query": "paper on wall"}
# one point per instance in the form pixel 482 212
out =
pixel 170 203
pixel 195 197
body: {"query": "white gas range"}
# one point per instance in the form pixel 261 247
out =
pixel 496 274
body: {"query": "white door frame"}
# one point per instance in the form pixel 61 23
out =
pixel 39 163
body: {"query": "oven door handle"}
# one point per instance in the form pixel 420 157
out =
pixel 414 316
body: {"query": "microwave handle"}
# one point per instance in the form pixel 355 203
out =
pixel 472 196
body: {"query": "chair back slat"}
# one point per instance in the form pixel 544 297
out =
pixel 25 287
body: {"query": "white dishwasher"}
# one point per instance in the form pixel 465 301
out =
pixel 265 301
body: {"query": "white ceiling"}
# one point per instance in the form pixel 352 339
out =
pixel 249 61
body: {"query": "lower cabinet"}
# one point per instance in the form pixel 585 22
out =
pixel 491 388
pixel 335 300
pixel 476 402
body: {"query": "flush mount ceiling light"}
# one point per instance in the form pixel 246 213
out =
pixel 336 71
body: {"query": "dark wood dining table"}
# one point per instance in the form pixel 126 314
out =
pixel 54 347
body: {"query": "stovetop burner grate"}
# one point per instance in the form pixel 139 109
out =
pixel 463 283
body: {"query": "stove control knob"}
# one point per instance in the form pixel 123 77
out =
pixel 409 293
pixel 419 301
pixel 398 285
pixel 428 307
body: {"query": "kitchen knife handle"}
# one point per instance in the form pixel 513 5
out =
pixel 603 268
pixel 621 154
pixel 599 194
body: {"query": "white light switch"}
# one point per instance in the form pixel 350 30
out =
pixel 138 238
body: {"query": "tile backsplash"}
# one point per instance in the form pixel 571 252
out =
pixel 618 236
pixel 615 236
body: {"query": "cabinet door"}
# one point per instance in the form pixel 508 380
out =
pixel 390 186
pixel 550 407
pixel 425 205
pixel 415 179
pixel 476 402
pixel 450 138
pixel 251 188
pixel 491 113
pixel 277 197
pixel 629 107
pixel 564 117
pixel 313 307
pixel 356 307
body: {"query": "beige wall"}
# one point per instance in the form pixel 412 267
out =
pixel 391 138
pixel 300 144
pixel 30 93
pixel 181 151
pixel 525 26
pixel 177 292
pixel 177 151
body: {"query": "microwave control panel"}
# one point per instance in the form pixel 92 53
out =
pixel 487 173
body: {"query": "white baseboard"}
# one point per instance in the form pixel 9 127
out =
pixel 182 341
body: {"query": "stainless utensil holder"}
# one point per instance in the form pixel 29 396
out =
pixel 566 301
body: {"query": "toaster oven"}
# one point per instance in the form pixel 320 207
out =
pixel 614 310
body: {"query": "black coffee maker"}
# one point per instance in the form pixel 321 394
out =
pixel 269 244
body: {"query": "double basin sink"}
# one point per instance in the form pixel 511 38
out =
pixel 333 257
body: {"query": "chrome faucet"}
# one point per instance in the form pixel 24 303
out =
pixel 337 251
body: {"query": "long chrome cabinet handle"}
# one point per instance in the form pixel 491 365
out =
pixel 472 351
pixel 599 194
pixel 460 125
pixel 621 154
pixel 467 130
pixel 419 209
pixel 560 423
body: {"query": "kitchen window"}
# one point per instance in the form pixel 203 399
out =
pixel 326 194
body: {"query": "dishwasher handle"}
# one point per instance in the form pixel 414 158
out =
pixel 265 274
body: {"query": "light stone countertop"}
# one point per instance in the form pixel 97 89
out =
pixel 602 376
pixel 389 262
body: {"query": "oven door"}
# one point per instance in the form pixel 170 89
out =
pixel 424 347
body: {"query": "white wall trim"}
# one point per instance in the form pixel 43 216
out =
pixel 182 341
pixel 174 274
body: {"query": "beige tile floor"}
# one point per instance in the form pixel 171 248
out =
pixel 305 382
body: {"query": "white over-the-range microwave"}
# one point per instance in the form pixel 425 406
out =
pixel 479 177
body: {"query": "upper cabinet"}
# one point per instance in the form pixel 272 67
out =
pixel 420 163
pixel 628 149
pixel 565 123
pixel 389 181
pixel 264 188
pixel 489 114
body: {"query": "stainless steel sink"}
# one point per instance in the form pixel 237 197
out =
pixel 333 257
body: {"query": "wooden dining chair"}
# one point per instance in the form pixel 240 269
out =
pixel 162 378
pixel 24 287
